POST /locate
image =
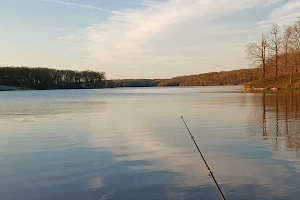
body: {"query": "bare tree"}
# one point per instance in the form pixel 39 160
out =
pixel 286 41
pixel 295 43
pixel 274 43
pixel 256 52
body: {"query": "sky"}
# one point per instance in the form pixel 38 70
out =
pixel 137 38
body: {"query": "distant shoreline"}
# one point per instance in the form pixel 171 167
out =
pixel 25 78
pixel 9 88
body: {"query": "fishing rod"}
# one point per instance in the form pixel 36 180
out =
pixel 208 169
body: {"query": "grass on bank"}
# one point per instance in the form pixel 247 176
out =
pixel 280 82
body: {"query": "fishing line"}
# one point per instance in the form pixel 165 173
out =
pixel 210 173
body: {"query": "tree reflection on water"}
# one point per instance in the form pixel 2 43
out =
pixel 280 120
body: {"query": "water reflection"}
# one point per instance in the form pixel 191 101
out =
pixel 280 120
pixel 28 109
pixel 134 146
pixel 137 133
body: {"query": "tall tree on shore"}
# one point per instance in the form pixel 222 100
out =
pixel 286 43
pixel 295 43
pixel 256 52
pixel 275 43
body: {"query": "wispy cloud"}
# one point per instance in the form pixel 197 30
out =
pixel 81 6
pixel 127 33
pixel 67 37
pixel 290 8
pixel 284 14
pixel 271 2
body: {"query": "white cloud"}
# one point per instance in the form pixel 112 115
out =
pixel 81 6
pixel 129 30
pixel 286 9
pixel 68 37
pixel 271 2
pixel 157 35
pixel 285 14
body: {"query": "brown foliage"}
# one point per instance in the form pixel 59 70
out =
pixel 235 77
pixel 283 51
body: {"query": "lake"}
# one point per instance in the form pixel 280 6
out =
pixel 130 143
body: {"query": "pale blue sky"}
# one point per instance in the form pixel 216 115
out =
pixel 136 38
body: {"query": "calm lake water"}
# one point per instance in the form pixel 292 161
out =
pixel 130 143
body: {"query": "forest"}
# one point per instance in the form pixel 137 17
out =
pixel 132 83
pixel 45 78
pixel 278 52
pixel 234 77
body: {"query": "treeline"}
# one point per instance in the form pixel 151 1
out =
pixel 277 53
pixel 45 78
pixel 234 77
pixel 131 83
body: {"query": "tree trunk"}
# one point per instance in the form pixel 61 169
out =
pixel 286 58
pixel 276 58
pixel 263 53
